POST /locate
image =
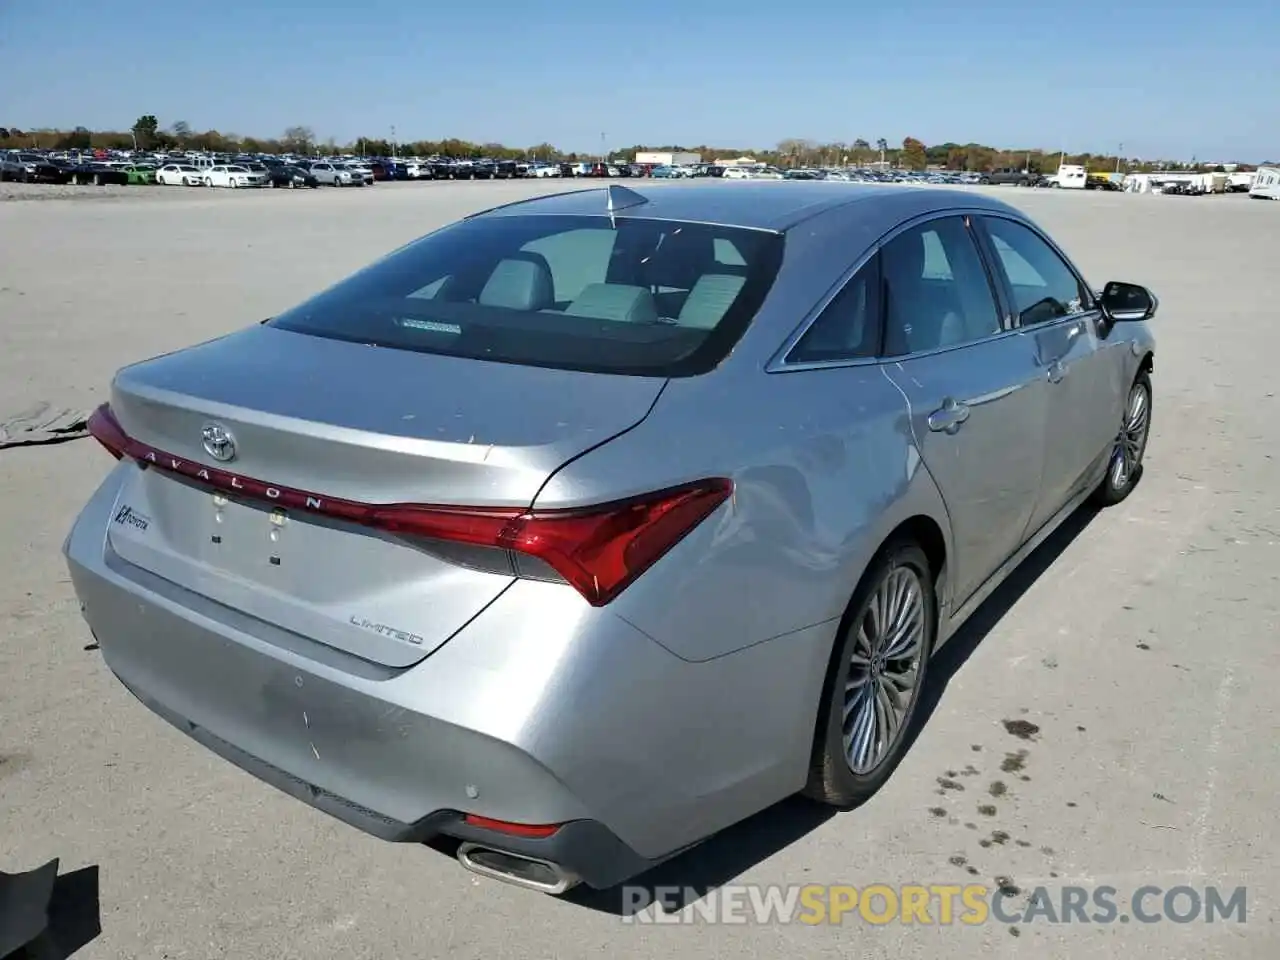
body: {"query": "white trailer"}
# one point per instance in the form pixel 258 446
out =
pixel 1266 184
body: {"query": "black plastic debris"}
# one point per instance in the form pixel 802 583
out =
pixel 24 906
pixel 42 423
pixel 44 916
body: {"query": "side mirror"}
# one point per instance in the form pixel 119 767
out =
pixel 1127 301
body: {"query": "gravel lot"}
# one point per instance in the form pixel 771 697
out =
pixel 1142 644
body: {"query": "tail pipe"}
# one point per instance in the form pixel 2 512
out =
pixel 530 872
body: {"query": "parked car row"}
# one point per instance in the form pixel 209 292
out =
pixel 30 167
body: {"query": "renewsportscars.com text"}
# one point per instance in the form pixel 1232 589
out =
pixel 933 904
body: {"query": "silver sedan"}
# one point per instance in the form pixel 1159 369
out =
pixel 592 524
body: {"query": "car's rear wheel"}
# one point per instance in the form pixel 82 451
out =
pixel 874 681
pixel 1124 469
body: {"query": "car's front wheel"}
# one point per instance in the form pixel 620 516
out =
pixel 875 678
pixel 1124 469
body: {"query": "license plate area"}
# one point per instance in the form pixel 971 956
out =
pixel 354 589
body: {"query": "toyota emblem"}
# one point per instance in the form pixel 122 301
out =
pixel 218 443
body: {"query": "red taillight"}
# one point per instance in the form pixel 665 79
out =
pixel 511 829
pixel 104 428
pixel 599 550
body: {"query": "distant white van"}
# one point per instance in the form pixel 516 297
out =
pixel 1070 176
pixel 1266 184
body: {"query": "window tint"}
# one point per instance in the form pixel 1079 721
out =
pixel 936 291
pixel 849 327
pixel 636 296
pixel 1044 287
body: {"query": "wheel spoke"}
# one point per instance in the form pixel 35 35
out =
pixel 863 734
pixel 892 711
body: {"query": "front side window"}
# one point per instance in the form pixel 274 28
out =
pixel 936 290
pixel 1044 287
pixel 631 296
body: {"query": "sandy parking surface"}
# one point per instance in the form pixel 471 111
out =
pixel 1142 644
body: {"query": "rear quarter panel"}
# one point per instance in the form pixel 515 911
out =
pixel 824 467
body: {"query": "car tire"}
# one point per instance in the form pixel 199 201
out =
pixel 208 182
pixel 833 778
pixel 1124 466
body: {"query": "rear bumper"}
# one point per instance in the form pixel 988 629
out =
pixel 539 711
pixel 584 848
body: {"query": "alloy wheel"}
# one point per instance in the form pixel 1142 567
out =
pixel 1126 456
pixel 884 669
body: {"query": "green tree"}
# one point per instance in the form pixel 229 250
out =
pixel 298 139
pixel 913 154
pixel 144 131
pixel 77 139
pixel 547 151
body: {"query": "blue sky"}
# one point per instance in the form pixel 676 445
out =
pixel 1168 80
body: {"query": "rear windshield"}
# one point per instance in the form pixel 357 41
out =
pixel 628 296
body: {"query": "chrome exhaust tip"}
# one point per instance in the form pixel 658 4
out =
pixel 529 872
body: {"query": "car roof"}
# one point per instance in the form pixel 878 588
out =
pixel 755 204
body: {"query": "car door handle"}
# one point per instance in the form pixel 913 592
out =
pixel 1056 372
pixel 949 417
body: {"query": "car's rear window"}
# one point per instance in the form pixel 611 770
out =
pixel 629 296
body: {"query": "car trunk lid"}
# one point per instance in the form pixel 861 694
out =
pixel 246 441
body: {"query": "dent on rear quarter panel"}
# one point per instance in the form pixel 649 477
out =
pixel 822 460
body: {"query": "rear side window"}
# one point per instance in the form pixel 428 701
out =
pixel 936 289
pixel 849 326
pixel 630 296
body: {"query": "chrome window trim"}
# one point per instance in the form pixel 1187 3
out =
pixel 778 363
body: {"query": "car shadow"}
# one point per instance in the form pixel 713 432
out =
pixel 688 877
pixel 73 910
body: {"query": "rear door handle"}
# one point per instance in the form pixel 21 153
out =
pixel 1056 372
pixel 949 417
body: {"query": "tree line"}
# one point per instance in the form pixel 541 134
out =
pixel 912 154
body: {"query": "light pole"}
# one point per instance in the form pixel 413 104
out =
pixel 1118 156
pixel 602 148
pixel 393 141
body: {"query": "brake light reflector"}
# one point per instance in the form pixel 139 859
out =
pixel 511 829
pixel 599 550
